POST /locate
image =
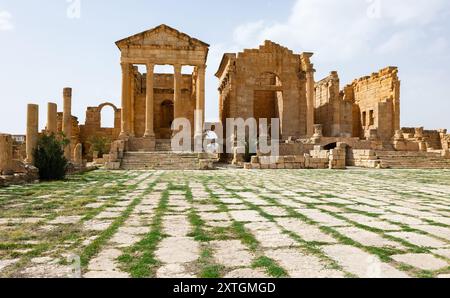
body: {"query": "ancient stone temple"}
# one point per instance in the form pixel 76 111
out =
pixel 269 82
pixel 151 101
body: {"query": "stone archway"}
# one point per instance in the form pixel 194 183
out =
pixel 330 146
pixel 116 111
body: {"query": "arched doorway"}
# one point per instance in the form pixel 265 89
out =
pixel 330 146
pixel 167 117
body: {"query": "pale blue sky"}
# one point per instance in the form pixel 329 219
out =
pixel 43 49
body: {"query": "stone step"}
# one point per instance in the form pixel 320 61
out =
pixel 161 160
pixel 412 160
pixel 406 154
pixel 163 145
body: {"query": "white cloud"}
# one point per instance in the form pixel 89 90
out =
pixel 5 21
pixel 357 37
pixel 341 29
pixel 246 31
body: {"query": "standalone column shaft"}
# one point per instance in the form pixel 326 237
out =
pixel 32 130
pixel 6 154
pixel 310 103
pixel 131 100
pixel 177 91
pixel 124 127
pixel 149 99
pixel 200 100
pixel 67 121
pixel 52 111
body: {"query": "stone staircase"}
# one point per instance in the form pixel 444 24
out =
pixel 412 160
pixel 160 161
pixel 163 145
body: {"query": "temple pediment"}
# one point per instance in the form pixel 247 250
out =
pixel 162 36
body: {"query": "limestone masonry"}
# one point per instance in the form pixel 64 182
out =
pixel 323 124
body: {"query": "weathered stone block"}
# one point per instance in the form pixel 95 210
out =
pixel 255 160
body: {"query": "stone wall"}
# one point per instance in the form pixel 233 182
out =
pixel 331 110
pixel 432 138
pixel 362 158
pixel 93 128
pixel 265 82
pixel 378 100
pixel 445 139
pixel 6 154
pixel 338 157
pixel 13 171
pixel 287 162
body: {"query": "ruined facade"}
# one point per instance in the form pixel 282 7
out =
pixel 369 107
pixel 269 82
pixel 331 109
pixel 378 103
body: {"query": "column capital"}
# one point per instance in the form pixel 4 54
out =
pixel 177 68
pixel 125 66
pixel 150 67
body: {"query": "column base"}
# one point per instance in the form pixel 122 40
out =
pixel 123 135
pixel 149 135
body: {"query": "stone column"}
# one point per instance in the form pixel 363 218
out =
pixel 124 128
pixel 177 91
pixel 32 131
pixel 149 102
pixel 132 98
pixel 52 111
pixel 6 154
pixel 200 100
pixel 310 103
pixel 67 121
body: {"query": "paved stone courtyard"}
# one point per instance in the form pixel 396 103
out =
pixel 233 223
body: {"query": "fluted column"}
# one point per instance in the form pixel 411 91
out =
pixel 149 99
pixel 32 130
pixel 52 111
pixel 177 90
pixel 67 120
pixel 310 103
pixel 124 127
pixel 200 100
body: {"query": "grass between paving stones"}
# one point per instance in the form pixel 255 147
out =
pixel 271 267
pixel 411 247
pixel 207 267
pixel 139 260
pixel 311 247
pixel 95 246
pixel 241 233
pixel 56 241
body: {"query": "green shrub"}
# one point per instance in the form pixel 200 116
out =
pixel 49 157
pixel 100 145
